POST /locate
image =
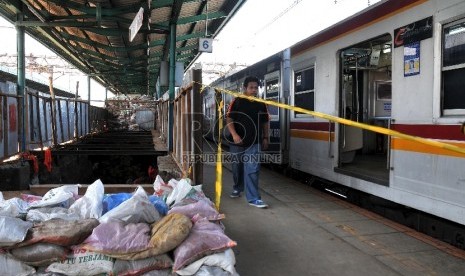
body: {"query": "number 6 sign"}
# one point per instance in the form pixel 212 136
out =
pixel 205 45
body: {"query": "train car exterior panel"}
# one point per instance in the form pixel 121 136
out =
pixel 314 159
pixel 412 99
pixel 360 69
pixel 441 179
pixel 440 183
pixel 413 104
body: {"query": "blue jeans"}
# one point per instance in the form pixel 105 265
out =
pixel 246 168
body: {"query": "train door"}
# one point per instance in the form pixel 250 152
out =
pixel 272 85
pixel 365 96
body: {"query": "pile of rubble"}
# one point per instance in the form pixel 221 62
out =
pixel 175 231
pixel 123 109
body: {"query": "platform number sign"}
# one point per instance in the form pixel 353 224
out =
pixel 205 45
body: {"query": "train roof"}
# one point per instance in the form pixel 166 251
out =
pixel 370 15
pixel 258 69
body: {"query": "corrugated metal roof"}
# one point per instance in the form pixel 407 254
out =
pixel 94 35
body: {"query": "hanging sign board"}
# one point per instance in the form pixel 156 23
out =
pixel 136 24
pixel 416 31
pixel 205 45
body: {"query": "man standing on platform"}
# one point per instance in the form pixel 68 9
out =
pixel 248 123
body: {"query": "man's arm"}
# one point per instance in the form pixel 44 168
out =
pixel 266 136
pixel 266 127
pixel 230 124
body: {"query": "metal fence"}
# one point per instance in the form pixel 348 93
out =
pixel 48 121
pixel 187 140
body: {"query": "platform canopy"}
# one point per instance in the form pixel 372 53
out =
pixel 94 36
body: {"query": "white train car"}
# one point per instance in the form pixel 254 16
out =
pixel 399 65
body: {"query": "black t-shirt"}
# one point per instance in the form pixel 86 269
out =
pixel 248 117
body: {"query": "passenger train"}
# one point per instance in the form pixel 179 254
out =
pixel 397 64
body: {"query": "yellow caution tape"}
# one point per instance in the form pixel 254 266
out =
pixel 219 165
pixel 189 172
pixel 377 129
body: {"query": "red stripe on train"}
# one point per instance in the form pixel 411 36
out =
pixel 445 132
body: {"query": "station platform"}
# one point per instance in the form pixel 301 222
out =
pixel 308 232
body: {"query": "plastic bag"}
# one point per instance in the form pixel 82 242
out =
pixel 48 213
pixel 83 262
pixel 90 205
pixel 40 254
pixel 138 267
pixel 14 207
pixel 41 272
pixel 8 264
pixel 160 188
pixel 167 234
pixel 109 202
pixel 30 198
pixel 212 271
pixel 63 196
pixel 225 260
pixel 134 210
pixel 116 237
pixel 13 230
pixel 60 232
pixel 179 192
pixel 162 272
pixel 159 204
pixel 201 207
pixel 206 238
pixel 173 183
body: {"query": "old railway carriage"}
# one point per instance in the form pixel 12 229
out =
pixel 398 65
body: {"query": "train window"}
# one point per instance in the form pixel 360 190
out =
pixel 453 70
pixel 272 88
pixel 304 90
pixel 272 94
pixel 383 91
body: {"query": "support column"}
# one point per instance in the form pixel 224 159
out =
pixel 21 84
pixel 197 126
pixel 88 107
pixel 76 119
pixel 171 84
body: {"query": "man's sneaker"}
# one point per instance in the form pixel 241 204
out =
pixel 235 194
pixel 258 203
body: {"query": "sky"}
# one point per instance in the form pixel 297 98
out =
pixel 65 82
pixel 262 28
pixel 259 29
